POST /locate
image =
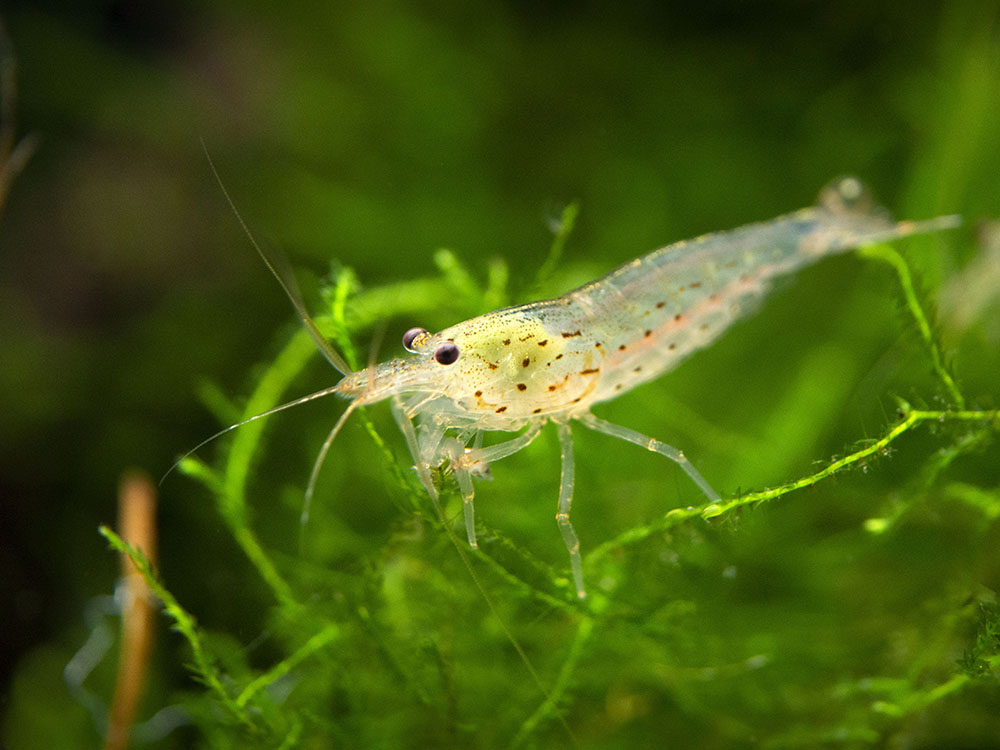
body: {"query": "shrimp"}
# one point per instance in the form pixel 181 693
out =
pixel 515 370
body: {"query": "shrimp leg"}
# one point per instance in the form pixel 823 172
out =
pixel 406 427
pixel 463 464
pixel 565 502
pixel 651 444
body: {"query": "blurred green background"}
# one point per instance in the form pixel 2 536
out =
pixel 369 135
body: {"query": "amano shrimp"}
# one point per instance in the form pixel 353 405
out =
pixel 515 370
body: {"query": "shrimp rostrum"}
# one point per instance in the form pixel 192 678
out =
pixel 517 369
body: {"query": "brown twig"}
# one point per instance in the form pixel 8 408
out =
pixel 137 526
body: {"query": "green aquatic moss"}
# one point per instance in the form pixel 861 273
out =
pixel 414 161
pixel 431 635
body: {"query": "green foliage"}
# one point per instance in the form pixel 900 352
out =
pixel 982 657
pixel 405 621
pixel 407 158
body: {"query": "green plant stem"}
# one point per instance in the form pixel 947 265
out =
pixel 921 700
pixel 184 622
pixel 323 638
pixel 550 705
pixel 570 607
pixel 713 510
pixel 889 255
pixel 567 220
pixel 233 503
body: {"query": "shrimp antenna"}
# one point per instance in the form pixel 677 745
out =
pixel 279 268
pixel 325 449
pixel 288 405
pixel 318 463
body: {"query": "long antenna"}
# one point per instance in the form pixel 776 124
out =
pixel 279 268
pixel 281 407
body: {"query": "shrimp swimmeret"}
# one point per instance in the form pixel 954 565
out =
pixel 519 368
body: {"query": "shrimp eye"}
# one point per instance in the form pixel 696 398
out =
pixel 446 353
pixel 412 335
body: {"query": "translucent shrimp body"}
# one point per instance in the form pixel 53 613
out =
pixel 518 368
